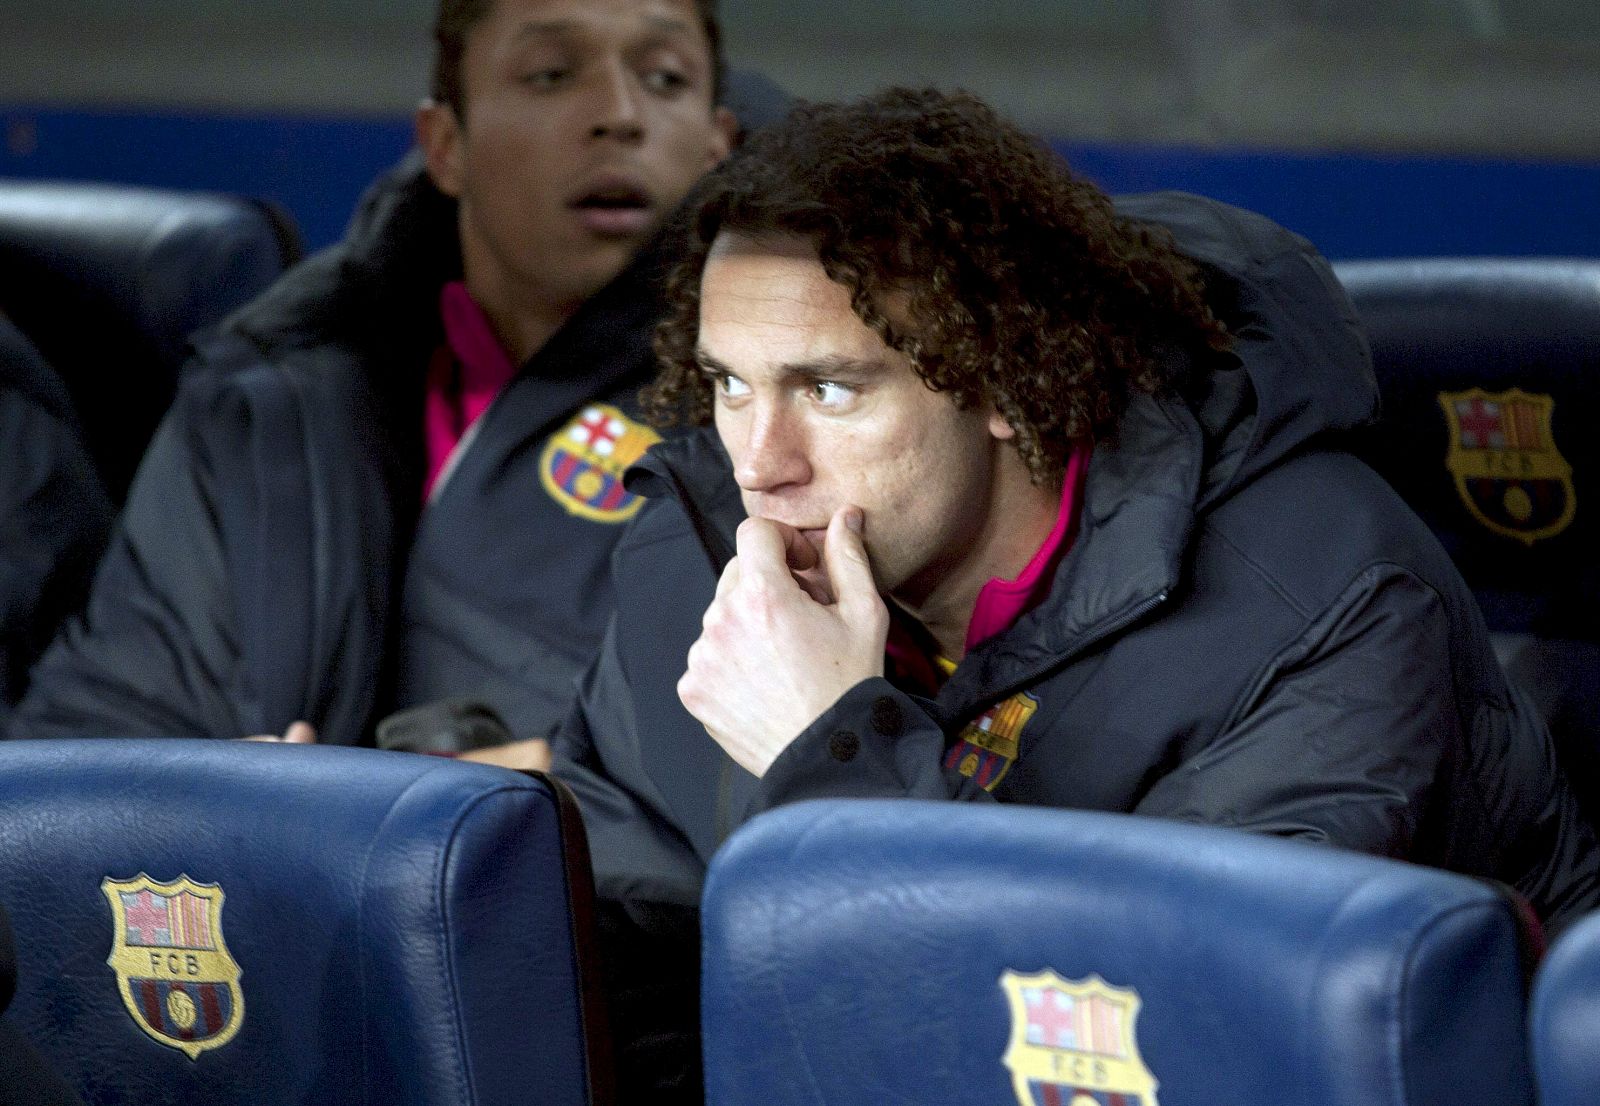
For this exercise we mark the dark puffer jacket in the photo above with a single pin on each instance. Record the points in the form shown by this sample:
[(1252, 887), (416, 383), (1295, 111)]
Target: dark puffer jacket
[(273, 563), (54, 513), (1251, 630)]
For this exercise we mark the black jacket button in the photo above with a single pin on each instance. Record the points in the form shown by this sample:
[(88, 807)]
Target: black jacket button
[(843, 746), (886, 716)]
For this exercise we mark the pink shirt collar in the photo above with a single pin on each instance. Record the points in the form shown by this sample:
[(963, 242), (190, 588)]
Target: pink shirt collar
[(463, 385), (1001, 602)]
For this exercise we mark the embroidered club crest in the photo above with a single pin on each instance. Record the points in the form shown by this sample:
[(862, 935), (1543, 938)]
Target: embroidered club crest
[(176, 976), (1506, 466), (986, 748), (1073, 1043), (582, 464)]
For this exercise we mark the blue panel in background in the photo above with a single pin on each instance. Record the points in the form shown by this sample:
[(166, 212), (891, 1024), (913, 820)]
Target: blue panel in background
[(316, 168), (1365, 205), (1356, 205)]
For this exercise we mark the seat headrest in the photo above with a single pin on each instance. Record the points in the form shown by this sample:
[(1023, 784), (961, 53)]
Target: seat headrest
[(1490, 369), (109, 281), (1564, 1019), (232, 922), (897, 951)]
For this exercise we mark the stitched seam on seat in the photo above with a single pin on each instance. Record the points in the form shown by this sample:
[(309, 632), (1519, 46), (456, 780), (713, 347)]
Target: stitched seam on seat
[(438, 890), (361, 932), (1401, 1075), (463, 1074)]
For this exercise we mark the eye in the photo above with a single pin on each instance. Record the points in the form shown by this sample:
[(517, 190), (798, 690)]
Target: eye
[(831, 394), (729, 386), (666, 81), (545, 78)]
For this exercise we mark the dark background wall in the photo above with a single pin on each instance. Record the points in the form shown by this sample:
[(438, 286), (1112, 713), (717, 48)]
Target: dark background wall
[(1376, 127)]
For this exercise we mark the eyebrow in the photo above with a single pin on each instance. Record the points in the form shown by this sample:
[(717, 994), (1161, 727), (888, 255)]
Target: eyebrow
[(662, 24), (833, 367)]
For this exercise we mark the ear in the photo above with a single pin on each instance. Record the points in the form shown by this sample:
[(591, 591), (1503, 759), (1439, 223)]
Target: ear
[(999, 428), (724, 132), (439, 133)]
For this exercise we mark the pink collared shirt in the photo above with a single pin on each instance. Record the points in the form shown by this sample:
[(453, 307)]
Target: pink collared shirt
[(466, 375), (1001, 602)]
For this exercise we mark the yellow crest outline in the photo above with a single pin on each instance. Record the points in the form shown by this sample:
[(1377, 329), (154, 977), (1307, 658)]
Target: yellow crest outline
[(185, 964), (1003, 737), (1113, 1065), (1542, 462), (630, 446)]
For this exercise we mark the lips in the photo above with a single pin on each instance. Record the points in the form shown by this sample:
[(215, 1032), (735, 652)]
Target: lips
[(614, 207)]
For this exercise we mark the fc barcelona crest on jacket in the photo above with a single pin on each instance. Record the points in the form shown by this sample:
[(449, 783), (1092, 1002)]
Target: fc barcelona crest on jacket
[(1073, 1043), (988, 744), (1506, 466), (582, 464), (176, 977)]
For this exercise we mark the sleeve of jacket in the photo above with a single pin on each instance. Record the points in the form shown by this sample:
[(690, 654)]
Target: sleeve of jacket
[(54, 522), (1341, 735), (638, 854), (875, 742), (155, 652)]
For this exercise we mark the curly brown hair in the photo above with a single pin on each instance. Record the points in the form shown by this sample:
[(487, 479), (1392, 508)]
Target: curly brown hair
[(1021, 284)]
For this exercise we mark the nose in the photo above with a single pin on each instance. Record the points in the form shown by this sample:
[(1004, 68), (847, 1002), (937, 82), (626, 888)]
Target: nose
[(771, 453), (619, 105)]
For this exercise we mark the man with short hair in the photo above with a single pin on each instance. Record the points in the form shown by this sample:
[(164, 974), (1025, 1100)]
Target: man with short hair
[(1013, 494), (386, 496)]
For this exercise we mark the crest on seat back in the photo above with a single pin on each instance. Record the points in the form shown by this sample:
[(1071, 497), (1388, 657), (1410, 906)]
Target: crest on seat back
[(174, 972), (1507, 469), (1073, 1042)]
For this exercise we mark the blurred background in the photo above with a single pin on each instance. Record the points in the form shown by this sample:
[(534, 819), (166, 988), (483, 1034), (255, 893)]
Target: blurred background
[(1375, 127)]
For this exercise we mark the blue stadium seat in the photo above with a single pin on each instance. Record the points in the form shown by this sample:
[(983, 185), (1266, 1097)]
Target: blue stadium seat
[(1564, 1022), (110, 280), (1490, 373), (231, 922), (895, 951)]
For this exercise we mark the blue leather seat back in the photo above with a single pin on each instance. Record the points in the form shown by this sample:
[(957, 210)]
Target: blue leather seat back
[(109, 281), (1490, 373), (1564, 1022), (897, 951), (400, 928)]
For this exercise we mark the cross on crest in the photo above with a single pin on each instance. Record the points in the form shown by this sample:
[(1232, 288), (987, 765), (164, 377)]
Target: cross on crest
[(598, 431), (147, 919), (1480, 421)]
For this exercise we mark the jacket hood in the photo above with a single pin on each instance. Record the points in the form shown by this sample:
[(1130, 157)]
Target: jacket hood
[(1300, 367), (378, 286)]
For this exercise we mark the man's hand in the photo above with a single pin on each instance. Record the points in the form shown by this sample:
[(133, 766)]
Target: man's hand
[(532, 755), (298, 733), (781, 641)]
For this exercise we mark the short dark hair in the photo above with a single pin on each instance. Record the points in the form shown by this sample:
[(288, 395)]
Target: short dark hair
[(1022, 284), (456, 19)]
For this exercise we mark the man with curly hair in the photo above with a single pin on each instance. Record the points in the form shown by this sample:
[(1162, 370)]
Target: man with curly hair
[(1015, 494)]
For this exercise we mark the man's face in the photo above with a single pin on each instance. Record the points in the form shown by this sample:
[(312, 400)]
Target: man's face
[(585, 122), (818, 413)]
